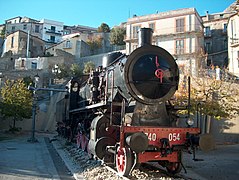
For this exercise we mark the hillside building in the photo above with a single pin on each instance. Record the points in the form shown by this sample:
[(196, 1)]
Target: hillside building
[(52, 31), (233, 44), (180, 32), (215, 38), (34, 27), (16, 45)]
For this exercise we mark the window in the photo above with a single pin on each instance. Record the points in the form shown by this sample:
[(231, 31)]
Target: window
[(180, 25), (13, 28), (66, 32), (52, 38), (207, 31), (53, 28), (152, 26), (225, 44), (34, 65), (224, 28), (24, 27), (180, 46), (208, 47), (68, 44), (23, 63), (37, 28), (12, 42), (135, 31)]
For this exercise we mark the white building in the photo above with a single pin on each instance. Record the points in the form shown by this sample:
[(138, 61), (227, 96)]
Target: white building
[(52, 31), (233, 44), (180, 32), (31, 63)]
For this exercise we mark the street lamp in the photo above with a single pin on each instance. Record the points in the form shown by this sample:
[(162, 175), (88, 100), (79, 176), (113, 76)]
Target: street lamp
[(34, 105), (1, 76), (55, 70)]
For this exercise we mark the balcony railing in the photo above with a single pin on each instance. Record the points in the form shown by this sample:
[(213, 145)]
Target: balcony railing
[(234, 41), (207, 34), (53, 32), (51, 41)]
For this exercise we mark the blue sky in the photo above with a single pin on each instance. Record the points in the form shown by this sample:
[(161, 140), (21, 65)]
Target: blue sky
[(94, 12)]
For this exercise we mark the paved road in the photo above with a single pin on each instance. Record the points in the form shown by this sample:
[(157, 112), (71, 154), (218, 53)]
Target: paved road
[(222, 163), (21, 160)]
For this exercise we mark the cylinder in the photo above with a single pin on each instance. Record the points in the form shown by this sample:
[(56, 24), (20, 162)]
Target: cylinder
[(145, 36)]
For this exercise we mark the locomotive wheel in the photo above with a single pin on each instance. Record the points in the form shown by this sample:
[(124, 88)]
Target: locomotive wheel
[(174, 167), (124, 161)]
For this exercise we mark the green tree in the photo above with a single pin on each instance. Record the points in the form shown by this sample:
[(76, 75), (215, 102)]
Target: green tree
[(218, 99), (76, 70), (104, 28), (88, 67), (117, 36), (28, 81), (16, 100), (94, 43), (2, 33)]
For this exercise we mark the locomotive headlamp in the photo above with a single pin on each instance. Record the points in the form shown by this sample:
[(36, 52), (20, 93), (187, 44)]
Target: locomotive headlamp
[(190, 121)]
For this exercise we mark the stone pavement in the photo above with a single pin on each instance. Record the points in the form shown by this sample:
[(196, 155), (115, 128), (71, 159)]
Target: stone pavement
[(22, 160), (222, 163)]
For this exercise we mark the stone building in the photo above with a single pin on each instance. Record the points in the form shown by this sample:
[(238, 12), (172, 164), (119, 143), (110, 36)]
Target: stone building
[(48, 30), (34, 27), (233, 44), (16, 44), (77, 45), (179, 31), (78, 29), (73, 44), (215, 38)]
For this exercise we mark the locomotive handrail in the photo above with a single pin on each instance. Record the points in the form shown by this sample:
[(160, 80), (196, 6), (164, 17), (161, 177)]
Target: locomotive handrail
[(151, 81), (112, 96), (47, 89)]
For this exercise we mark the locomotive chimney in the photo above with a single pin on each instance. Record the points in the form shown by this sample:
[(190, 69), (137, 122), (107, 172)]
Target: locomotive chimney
[(145, 36)]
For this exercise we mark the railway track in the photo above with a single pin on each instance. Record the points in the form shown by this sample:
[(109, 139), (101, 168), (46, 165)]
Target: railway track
[(146, 171)]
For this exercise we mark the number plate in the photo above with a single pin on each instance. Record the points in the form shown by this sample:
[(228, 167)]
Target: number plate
[(174, 137), (151, 136)]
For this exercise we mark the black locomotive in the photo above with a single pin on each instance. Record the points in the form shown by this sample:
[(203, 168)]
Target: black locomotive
[(122, 113)]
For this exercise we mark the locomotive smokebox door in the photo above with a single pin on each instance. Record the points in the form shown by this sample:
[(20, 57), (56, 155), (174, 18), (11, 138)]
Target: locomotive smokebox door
[(151, 74)]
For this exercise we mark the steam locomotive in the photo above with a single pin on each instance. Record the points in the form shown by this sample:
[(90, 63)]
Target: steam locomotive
[(122, 113)]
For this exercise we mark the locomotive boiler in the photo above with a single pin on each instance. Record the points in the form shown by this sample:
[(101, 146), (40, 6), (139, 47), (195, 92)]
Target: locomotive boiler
[(122, 113)]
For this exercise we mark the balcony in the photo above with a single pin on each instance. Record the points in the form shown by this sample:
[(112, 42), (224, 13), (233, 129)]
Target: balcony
[(207, 34), (234, 42), (50, 31), (51, 41)]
